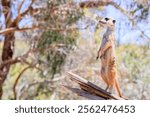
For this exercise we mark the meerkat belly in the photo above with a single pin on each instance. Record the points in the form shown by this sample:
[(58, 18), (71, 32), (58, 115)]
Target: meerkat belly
[(106, 58), (105, 63), (108, 61), (112, 68), (112, 62)]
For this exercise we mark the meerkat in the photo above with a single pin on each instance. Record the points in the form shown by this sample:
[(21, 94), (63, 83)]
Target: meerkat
[(107, 54)]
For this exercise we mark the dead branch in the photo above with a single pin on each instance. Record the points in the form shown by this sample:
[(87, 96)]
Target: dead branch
[(90, 90), (37, 82), (19, 76), (17, 80), (13, 29), (29, 8), (8, 18), (84, 93), (19, 13)]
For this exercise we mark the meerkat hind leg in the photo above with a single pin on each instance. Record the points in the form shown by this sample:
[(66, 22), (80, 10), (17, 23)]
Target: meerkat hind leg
[(111, 89), (104, 78)]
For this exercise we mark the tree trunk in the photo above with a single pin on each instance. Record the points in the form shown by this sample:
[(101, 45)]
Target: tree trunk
[(8, 49), (7, 54)]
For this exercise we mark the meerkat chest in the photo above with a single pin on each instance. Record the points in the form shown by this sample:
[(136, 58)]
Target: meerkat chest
[(109, 38), (109, 54)]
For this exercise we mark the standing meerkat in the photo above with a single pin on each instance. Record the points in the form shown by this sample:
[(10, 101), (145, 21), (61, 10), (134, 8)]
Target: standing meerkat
[(107, 54)]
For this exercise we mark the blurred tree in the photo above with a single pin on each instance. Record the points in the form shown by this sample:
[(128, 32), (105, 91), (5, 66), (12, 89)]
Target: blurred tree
[(55, 20)]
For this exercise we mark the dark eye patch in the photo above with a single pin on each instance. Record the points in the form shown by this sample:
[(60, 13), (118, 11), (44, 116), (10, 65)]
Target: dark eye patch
[(114, 21), (106, 19)]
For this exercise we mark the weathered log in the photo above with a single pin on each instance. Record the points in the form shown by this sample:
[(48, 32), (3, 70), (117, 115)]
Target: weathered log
[(89, 90)]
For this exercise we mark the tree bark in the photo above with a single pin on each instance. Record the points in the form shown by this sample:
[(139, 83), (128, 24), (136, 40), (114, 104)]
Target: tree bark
[(7, 54), (8, 49)]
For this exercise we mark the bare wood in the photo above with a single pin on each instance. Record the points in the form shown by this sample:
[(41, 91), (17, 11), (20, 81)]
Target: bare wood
[(17, 80), (19, 13), (13, 29), (19, 76), (36, 82), (90, 88), (10, 61), (8, 18), (8, 47), (29, 8), (83, 93)]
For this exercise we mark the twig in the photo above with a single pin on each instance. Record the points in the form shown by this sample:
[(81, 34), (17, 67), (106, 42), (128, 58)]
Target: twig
[(13, 29), (27, 87), (19, 76), (16, 81), (19, 13), (29, 8)]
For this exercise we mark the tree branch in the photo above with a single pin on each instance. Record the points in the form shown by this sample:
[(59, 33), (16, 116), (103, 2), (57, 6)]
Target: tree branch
[(10, 61), (13, 29), (19, 76), (19, 14), (17, 80), (29, 8), (36, 82)]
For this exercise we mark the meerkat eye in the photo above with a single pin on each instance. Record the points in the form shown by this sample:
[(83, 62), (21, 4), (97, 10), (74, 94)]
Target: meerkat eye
[(114, 21), (106, 19)]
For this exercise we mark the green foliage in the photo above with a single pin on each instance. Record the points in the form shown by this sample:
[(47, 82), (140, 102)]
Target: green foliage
[(54, 37), (134, 60), (62, 17), (55, 56)]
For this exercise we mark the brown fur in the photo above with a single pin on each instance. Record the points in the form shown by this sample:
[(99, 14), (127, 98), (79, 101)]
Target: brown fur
[(107, 55)]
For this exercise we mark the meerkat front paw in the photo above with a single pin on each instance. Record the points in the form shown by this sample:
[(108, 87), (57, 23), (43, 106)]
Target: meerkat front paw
[(98, 55), (101, 55)]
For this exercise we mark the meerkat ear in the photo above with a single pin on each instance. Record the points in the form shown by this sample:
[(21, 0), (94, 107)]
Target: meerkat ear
[(114, 21), (106, 19)]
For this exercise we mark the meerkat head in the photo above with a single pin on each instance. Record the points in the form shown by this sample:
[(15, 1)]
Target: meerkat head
[(108, 23)]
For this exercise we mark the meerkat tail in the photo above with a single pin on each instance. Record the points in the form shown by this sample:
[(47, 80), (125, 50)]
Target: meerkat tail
[(118, 87)]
